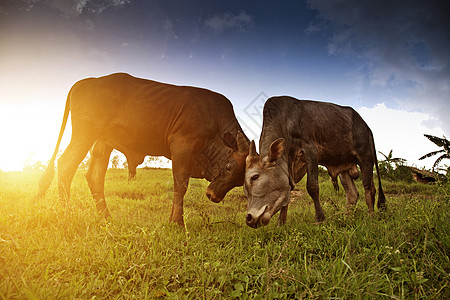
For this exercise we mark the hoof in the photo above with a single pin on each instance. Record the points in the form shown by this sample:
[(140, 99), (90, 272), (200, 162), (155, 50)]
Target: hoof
[(320, 218)]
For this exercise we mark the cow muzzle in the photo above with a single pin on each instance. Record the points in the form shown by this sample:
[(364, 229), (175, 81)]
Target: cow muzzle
[(212, 196), (261, 217), (256, 218)]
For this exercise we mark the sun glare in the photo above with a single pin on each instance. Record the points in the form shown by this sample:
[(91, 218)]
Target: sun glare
[(29, 133)]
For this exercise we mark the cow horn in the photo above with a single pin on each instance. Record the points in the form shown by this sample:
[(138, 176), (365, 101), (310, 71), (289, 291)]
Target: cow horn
[(252, 157), (242, 143), (252, 151)]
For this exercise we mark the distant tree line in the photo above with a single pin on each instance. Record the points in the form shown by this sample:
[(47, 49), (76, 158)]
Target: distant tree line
[(393, 168)]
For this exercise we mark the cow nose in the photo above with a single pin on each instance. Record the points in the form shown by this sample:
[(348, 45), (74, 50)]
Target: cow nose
[(249, 220), (212, 196)]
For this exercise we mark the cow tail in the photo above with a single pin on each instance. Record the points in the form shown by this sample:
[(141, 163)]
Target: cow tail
[(49, 173), (381, 204)]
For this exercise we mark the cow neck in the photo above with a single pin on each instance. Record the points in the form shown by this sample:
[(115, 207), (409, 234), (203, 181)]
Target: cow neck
[(209, 160)]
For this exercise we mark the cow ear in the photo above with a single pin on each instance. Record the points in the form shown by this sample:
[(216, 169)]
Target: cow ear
[(242, 143), (276, 150), (230, 141), (252, 157)]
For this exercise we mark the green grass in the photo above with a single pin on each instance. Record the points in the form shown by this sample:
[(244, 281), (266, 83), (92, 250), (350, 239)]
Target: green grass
[(48, 251)]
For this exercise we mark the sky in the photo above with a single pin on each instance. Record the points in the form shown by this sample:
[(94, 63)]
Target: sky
[(389, 60)]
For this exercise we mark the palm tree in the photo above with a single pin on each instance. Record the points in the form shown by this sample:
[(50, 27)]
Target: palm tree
[(441, 142), (392, 160)]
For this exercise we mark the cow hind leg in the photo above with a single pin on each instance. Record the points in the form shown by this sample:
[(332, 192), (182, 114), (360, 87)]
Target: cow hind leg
[(68, 164), (369, 186), (351, 192), (95, 176)]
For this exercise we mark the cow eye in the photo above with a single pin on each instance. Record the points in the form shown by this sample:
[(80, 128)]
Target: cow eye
[(228, 168), (254, 177)]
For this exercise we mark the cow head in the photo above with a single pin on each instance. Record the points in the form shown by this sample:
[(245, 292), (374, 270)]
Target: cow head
[(229, 166), (266, 185)]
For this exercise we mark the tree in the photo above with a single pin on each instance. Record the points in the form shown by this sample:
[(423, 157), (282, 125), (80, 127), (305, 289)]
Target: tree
[(389, 160), (153, 161), (37, 166), (394, 168), (115, 162), (85, 163), (441, 142)]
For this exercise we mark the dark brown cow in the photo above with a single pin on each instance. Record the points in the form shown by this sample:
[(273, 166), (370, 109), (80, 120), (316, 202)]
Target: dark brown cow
[(297, 136), (195, 128)]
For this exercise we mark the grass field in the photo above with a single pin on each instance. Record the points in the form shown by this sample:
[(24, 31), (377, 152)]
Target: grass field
[(48, 251)]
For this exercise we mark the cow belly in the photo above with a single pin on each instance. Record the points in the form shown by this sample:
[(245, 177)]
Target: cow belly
[(132, 144), (334, 171)]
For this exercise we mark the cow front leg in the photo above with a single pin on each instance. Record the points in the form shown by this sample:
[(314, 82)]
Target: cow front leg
[(312, 185), (283, 216), (180, 185), (95, 176), (181, 157)]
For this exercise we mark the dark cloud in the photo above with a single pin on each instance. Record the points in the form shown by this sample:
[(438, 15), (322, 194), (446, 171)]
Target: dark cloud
[(221, 22), (67, 8), (405, 45), (368, 51)]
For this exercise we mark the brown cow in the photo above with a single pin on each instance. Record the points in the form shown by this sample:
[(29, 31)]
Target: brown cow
[(195, 128), (297, 136)]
